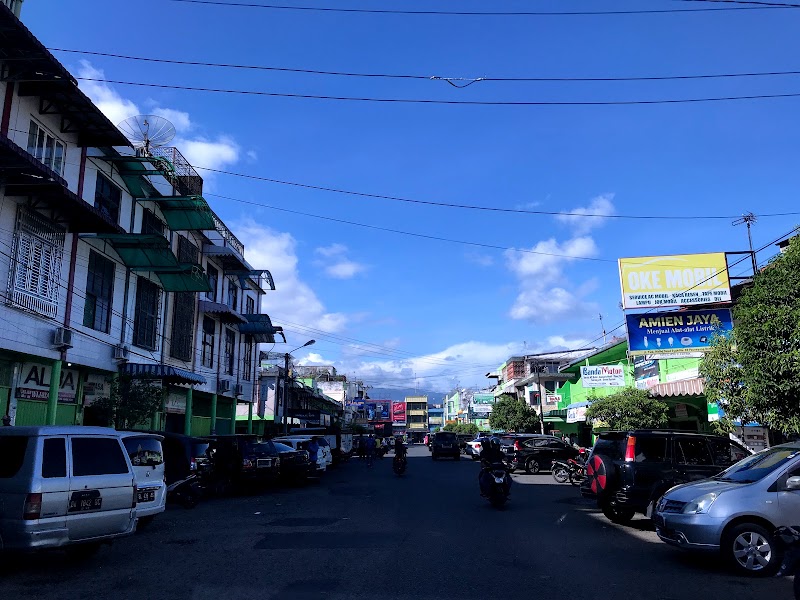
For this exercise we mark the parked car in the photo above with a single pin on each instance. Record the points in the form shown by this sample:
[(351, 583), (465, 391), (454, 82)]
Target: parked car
[(475, 446), (445, 443), (64, 485), (628, 471), (241, 460), (186, 455), (537, 453), (295, 465), (302, 443), (463, 438), (147, 458), (738, 510)]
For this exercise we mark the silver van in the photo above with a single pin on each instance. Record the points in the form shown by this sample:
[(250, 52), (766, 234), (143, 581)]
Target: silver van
[(64, 485), (737, 512), (147, 458)]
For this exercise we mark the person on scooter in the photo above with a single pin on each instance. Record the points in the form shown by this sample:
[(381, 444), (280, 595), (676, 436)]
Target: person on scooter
[(399, 448), (491, 454)]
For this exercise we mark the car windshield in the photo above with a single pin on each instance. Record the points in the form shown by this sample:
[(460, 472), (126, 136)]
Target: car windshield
[(144, 451), (445, 437), (756, 467), (282, 447), (200, 450)]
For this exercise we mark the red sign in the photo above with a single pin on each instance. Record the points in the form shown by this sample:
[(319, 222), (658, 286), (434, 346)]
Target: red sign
[(398, 412)]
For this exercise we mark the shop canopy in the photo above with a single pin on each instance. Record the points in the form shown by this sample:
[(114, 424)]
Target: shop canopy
[(166, 373), (184, 213), (555, 416), (221, 311), (255, 279), (685, 387), (231, 260), (261, 328)]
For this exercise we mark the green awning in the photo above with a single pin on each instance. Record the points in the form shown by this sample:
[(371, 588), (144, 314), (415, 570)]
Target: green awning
[(186, 278), (185, 213), (555, 416), (140, 250), (133, 169)]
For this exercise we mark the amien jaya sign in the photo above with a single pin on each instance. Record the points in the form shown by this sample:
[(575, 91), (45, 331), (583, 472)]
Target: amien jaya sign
[(665, 333), (684, 279), (603, 376)]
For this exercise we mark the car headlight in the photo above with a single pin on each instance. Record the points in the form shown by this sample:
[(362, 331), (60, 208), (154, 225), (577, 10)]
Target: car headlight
[(700, 505)]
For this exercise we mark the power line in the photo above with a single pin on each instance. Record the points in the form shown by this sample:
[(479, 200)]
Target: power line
[(189, 88), (470, 13), (751, 3), (427, 77)]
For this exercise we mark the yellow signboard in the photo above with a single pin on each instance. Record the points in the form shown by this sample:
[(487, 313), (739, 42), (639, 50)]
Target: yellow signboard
[(682, 279)]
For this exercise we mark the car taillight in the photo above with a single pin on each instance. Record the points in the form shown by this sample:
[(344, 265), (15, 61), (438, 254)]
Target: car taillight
[(247, 463), (135, 494), (33, 507), (630, 449), (517, 445), (193, 465), (477, 445)]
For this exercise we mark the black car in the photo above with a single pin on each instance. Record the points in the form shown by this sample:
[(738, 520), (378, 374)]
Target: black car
[(536, 453), (445, 443), (185, 455), (628, 471), (240, 461), (294, 465)]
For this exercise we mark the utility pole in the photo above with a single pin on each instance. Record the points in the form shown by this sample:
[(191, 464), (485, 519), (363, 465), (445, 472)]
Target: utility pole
[(748, 219), (286, 357), (539, 391), (603, 327)]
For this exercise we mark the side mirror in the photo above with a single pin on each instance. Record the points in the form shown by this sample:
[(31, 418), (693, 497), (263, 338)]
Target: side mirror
[(793, 483)]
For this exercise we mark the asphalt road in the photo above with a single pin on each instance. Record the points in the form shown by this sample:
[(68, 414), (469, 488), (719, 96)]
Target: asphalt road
[(365, 533)]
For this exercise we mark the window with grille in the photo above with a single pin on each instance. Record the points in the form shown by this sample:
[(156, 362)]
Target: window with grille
[(251, 306), (151, 224), (99, 293), (230, 347), (209, 331), (107, 197), (233, 295), (34, 277), (145, 316), (182, 337), (213, 279), (46, 147), (247, 359), (187, 251)]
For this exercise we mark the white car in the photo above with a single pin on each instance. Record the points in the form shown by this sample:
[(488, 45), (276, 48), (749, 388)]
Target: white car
[(475, 446), (147, 458), (301, 442)]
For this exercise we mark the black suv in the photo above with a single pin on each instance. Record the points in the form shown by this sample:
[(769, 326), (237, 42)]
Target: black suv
[(242, 460), (536, 453), (628, 471), (445, 443)]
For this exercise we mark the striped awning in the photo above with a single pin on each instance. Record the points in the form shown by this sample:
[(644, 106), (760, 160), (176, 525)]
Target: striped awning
[(166, 373), (685, 387)]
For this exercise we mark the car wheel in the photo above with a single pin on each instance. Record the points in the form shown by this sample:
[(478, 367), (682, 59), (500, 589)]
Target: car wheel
[(751, 549), (617, 514), (457, 457), (532, 466)]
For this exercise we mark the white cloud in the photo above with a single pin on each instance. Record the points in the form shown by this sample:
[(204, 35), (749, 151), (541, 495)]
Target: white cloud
[(178, 118), (482, 260), (202, 152), (600, 206), (546, 305), (293, 302), (112, 105), (336, 264), (546, 259)]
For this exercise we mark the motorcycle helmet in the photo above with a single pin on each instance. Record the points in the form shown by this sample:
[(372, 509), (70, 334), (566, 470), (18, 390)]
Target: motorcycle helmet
[(494, 443)]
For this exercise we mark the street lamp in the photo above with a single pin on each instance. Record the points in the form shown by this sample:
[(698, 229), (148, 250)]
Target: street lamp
[(286, 381)]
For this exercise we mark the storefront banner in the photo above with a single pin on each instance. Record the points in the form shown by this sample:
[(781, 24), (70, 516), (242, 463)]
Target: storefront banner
[(483, 399), (679, 280), (95, 387), (176, 403), (399, 413), (577, 414), (667, 332), (645, 372), (482, 409), (603, 376), (552, 399), (685, 374), (305, 415), (34, 383)]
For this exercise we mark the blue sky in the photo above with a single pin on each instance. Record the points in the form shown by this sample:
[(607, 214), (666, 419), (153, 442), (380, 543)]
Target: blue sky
[(395, 308)]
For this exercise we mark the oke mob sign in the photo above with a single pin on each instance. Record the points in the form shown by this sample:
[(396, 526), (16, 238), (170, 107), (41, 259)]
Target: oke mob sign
[(683, 279)]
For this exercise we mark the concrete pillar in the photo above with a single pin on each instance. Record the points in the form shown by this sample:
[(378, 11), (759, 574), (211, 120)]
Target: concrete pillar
[(249, 417), (187, 423), (214, 413), (52, 398), (233, 416)]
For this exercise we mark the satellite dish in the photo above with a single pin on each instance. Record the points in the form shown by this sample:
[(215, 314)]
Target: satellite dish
[(146, 132)]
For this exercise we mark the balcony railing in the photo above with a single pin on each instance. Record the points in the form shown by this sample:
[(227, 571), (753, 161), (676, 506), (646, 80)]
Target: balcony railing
[(227, 235), (183, 176)]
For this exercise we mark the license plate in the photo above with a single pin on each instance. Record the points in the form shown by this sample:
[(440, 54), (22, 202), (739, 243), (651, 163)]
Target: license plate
[(146, 496), (447, 445), (263, 462), (85, 500)]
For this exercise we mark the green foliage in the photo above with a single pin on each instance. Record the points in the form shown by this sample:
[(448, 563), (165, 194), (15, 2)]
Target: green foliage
[(724, 382), (629, 408), (511, 414), (131, 403), (470, 428), (767, 322)]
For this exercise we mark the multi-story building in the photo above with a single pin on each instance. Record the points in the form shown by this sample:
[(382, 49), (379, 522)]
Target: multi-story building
[(435, 417), (416, 416), (113, 261)]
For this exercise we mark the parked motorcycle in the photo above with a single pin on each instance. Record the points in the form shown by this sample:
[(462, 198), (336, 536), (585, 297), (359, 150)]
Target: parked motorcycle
[(496, 484), (186, 492), (399, 465), (789, 540), (572, 470)]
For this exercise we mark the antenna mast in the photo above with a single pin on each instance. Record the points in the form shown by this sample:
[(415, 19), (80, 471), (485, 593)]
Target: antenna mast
[(748, 219)]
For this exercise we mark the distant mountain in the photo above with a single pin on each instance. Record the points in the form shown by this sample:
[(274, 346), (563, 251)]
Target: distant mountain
[(398, 394)]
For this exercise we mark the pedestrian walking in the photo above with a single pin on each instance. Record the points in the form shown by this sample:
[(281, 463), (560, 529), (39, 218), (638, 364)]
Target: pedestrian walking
[(369, 446), (313, 451)]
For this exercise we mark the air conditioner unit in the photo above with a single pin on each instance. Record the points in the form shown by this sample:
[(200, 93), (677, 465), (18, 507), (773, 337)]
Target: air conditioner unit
[(121, 352), (223, 385), (238, 389), (62, 337)]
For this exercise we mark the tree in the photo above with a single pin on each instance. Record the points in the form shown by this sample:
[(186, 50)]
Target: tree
[(629, 408), (767, 324), (131, 403), (511, 414), (724, 382), (451, 427)]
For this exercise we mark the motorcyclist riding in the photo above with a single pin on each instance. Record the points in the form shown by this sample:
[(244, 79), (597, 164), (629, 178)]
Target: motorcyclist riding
[(399, 448), (491, 455)]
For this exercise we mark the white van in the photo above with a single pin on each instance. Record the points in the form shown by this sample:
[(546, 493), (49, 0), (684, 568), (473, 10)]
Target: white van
[(147, 458), (64, 485)]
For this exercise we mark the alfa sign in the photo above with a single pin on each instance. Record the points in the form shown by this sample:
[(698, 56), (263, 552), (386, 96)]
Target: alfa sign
[(668, 332), (685, 279), (603, 376)]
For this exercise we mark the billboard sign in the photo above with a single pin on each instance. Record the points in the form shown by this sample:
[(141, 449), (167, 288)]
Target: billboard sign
[(669, 332), (603, 376), (679, 280), (552, 399), (34, 383), (645, 372), (576, 414), (482, 409), (398, 413), (483, 399), (377, 410)]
